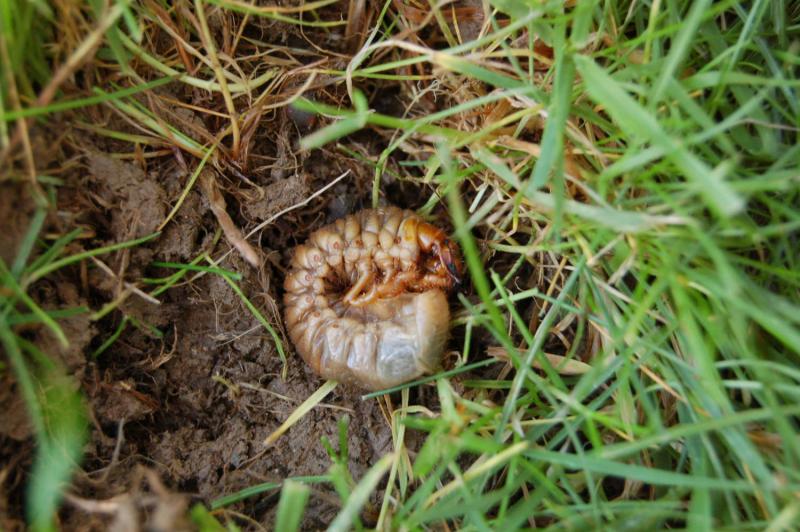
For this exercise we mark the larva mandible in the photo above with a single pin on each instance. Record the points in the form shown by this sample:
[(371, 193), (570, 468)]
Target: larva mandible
[(365, 297)]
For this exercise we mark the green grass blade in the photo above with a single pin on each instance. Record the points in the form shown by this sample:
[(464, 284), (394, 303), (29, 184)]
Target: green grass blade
[(639, 124), (72, 259), (349, 513), (292, 505), (59, 449), (27, 243)]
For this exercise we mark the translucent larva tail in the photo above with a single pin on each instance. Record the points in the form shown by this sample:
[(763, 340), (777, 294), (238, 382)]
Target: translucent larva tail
[(433, 325), (411, 343)]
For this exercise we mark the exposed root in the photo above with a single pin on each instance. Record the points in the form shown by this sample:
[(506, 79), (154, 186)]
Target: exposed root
[(232, 233)]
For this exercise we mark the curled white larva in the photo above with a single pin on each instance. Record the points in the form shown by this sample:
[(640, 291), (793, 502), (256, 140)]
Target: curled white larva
[(365, 298)]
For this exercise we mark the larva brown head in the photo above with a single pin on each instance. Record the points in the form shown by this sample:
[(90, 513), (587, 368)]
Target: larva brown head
[(447, 258)]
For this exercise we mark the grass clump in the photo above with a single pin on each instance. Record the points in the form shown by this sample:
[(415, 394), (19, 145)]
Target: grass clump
[(624, 181)]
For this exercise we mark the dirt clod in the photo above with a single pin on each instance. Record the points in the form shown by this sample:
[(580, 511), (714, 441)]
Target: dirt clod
[(141, 201)]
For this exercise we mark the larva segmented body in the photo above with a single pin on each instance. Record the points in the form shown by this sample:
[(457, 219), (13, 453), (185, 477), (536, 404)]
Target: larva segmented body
[(365, 297)]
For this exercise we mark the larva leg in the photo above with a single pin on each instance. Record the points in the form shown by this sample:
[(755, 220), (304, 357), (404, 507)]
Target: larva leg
[(364, 299), (429, 281), (396, 284), (351, 297)]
